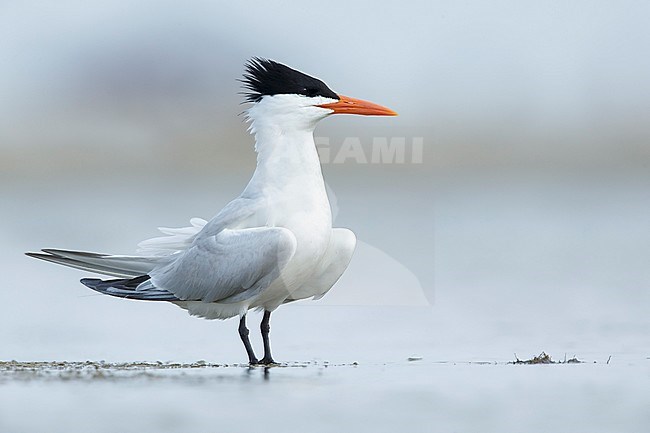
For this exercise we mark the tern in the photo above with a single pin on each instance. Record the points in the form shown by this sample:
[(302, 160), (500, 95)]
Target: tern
[(273, 244)]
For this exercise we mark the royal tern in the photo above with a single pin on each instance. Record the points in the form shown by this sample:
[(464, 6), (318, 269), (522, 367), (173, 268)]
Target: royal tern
[(271, 245)]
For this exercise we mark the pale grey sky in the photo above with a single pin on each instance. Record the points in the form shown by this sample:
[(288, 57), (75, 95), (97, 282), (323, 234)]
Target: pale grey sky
[(524, 75)]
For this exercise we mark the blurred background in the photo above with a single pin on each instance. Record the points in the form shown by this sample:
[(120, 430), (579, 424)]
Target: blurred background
[(525, 227)]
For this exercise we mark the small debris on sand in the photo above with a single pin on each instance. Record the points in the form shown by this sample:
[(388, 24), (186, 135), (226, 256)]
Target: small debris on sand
[(154, 370), (544, 358)]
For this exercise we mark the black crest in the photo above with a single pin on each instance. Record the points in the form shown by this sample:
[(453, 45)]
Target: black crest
[(266, 77)]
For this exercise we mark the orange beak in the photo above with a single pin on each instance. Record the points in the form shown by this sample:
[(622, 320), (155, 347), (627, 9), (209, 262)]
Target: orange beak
[(347, 105)]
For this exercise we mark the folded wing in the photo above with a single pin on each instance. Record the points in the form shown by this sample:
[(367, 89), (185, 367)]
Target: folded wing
[(231, 266)]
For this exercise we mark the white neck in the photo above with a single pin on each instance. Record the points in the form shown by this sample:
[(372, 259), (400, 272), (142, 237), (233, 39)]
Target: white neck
[(287, 160), (285, 157)]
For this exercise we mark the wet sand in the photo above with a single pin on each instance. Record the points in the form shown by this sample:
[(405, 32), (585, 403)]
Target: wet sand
[(415, 396)]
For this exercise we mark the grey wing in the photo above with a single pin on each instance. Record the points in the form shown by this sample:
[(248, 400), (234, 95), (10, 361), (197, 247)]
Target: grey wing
[(238, 214), (228, 267)]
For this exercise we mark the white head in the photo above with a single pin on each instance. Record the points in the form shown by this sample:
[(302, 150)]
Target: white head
[(288, 99)]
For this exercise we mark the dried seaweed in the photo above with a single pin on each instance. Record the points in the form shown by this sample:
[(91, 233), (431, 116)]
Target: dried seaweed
[(544, 358)]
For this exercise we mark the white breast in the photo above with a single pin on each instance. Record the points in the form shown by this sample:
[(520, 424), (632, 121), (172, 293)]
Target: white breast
[(288, 179), (306, 212)]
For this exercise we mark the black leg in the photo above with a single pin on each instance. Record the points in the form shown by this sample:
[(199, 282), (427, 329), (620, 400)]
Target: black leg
[(243, 333), (265, 327)]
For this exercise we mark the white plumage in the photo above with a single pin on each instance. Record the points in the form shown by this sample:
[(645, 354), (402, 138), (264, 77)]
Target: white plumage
[(271, 245)]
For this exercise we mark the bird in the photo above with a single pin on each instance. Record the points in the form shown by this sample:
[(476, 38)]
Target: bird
[(273, 244)]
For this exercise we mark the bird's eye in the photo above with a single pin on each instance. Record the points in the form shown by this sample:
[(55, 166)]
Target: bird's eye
[(311, 91)]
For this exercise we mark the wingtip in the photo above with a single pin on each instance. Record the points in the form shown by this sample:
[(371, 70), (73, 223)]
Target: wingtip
[(90, 282), (52, 251), (38, 255)]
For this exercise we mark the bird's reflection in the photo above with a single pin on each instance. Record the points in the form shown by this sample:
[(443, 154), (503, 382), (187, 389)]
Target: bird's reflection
[(266, 371)]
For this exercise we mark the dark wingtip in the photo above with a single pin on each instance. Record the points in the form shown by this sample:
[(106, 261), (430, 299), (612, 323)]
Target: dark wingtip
[(51, 251), (62, 253), (91, 283), (42, 256)]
